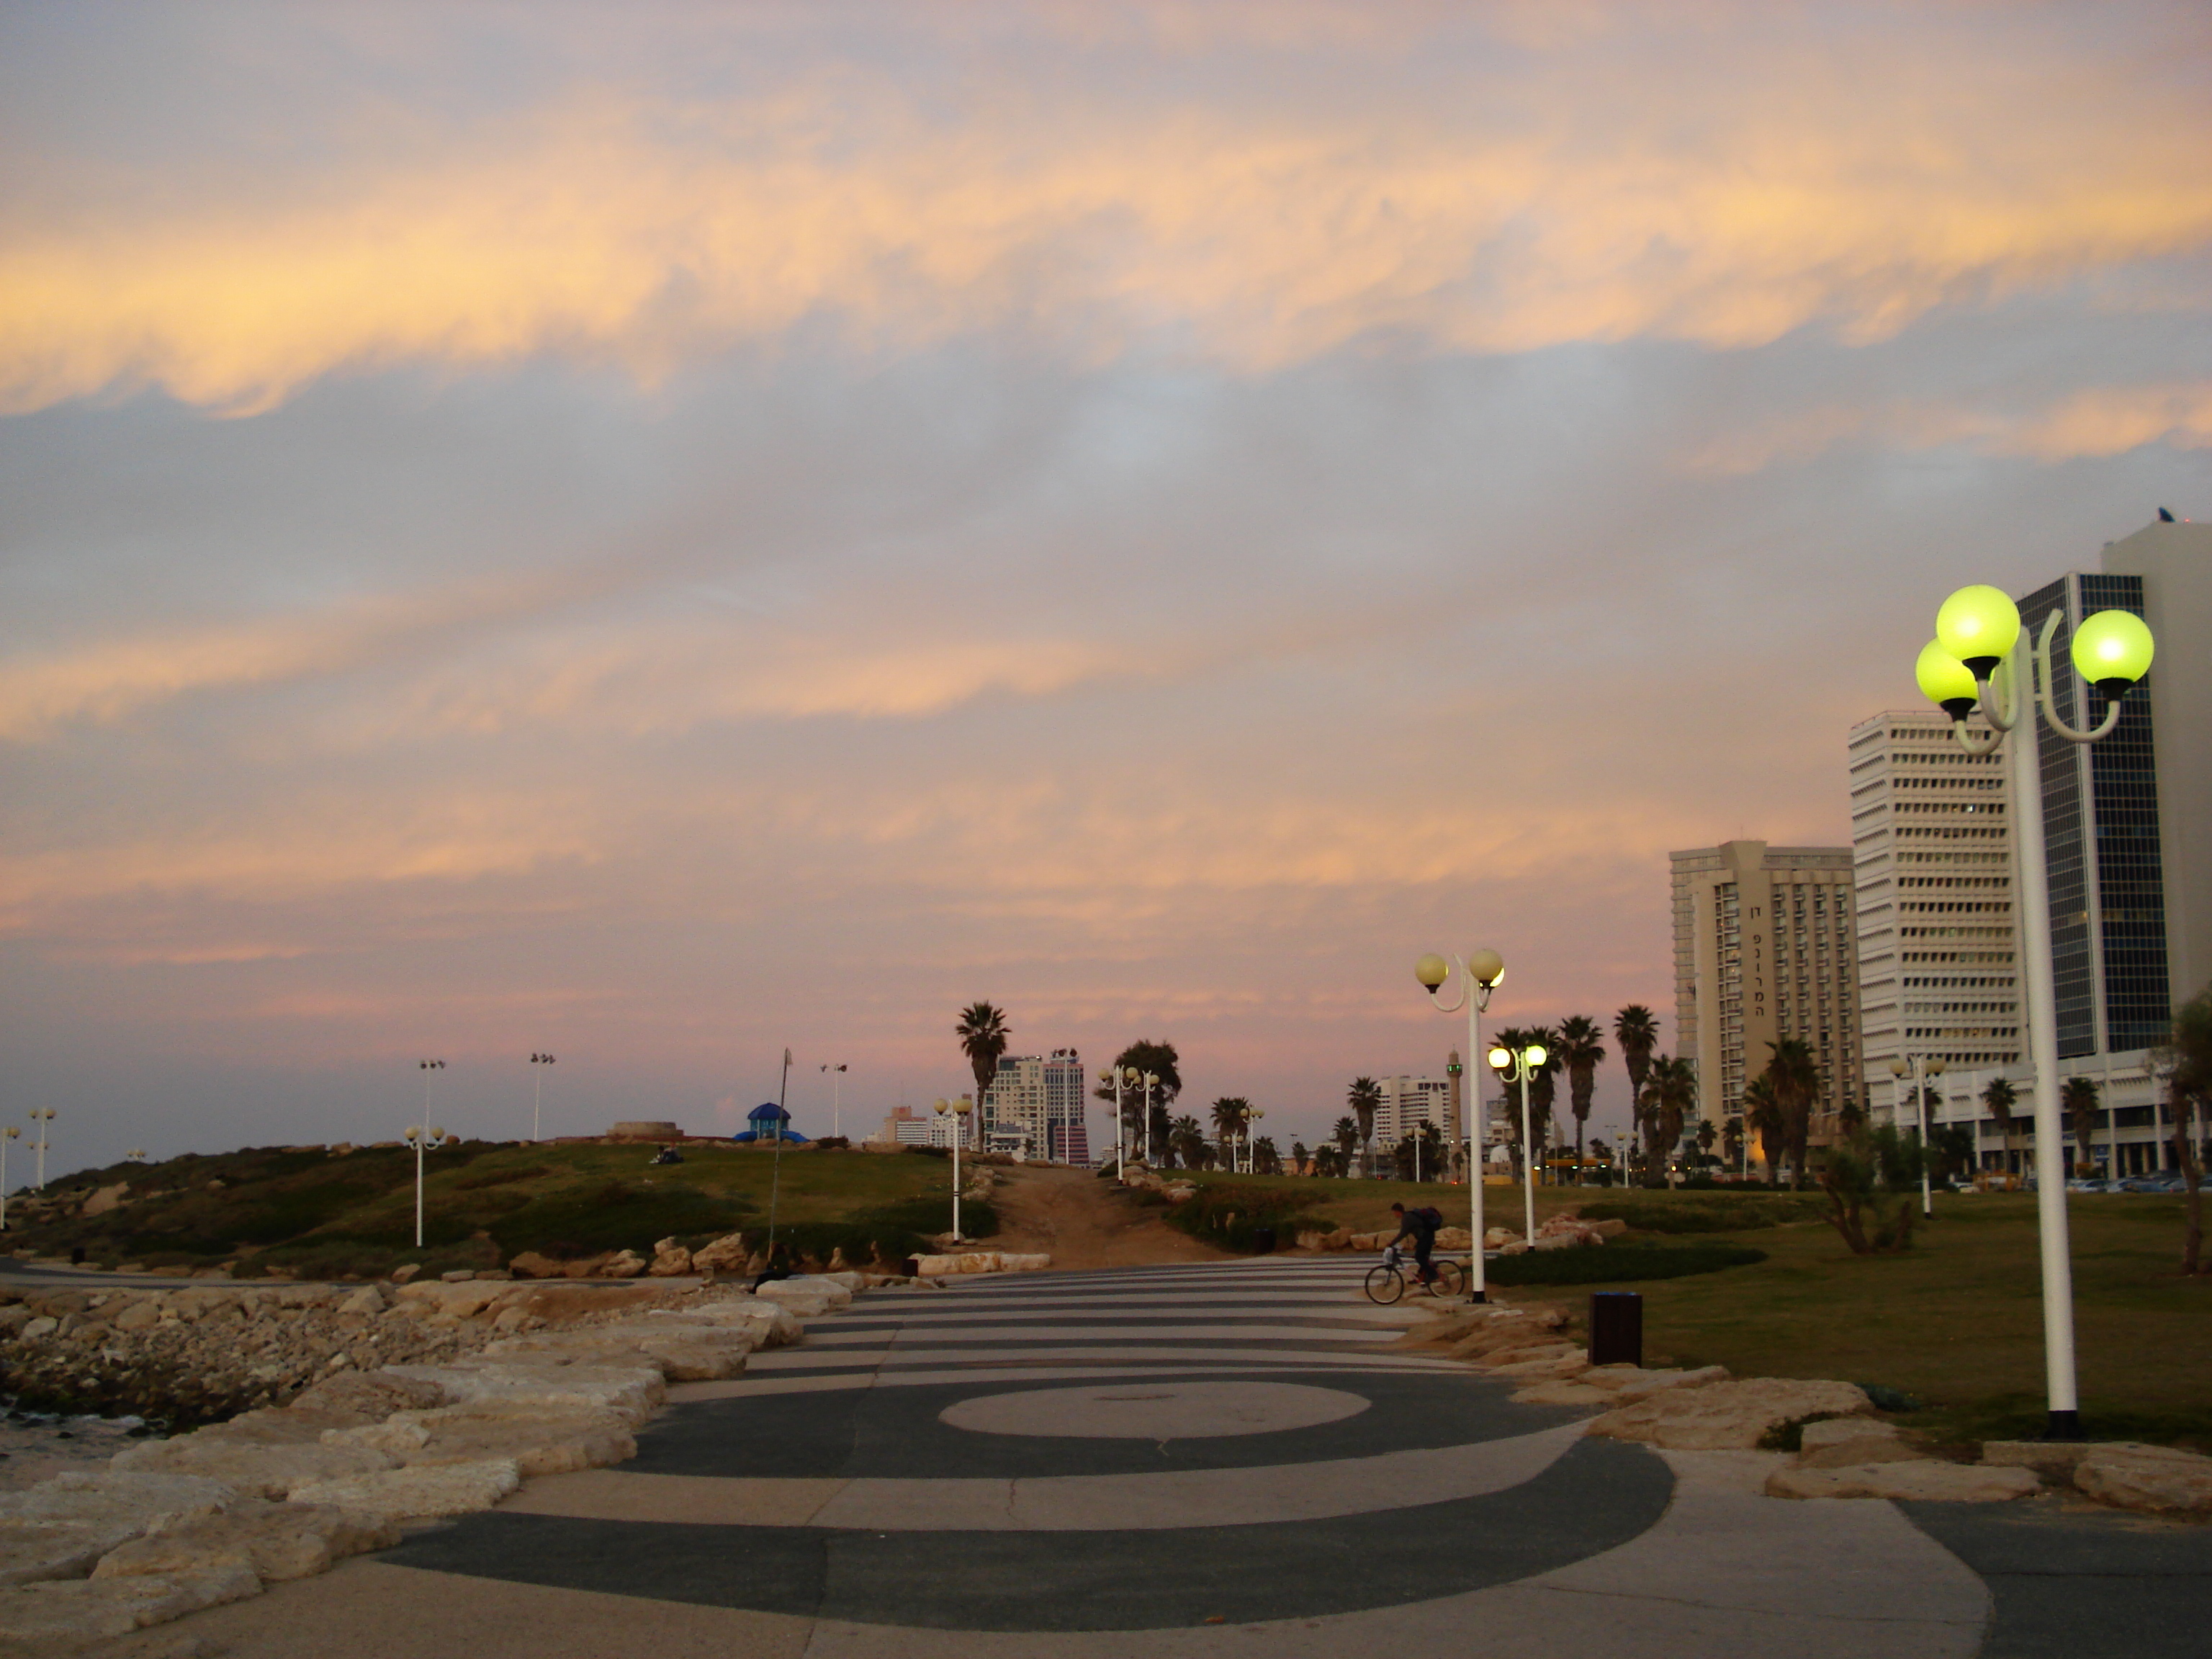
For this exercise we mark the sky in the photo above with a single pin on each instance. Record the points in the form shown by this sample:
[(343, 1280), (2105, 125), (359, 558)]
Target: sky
[(662, 533)]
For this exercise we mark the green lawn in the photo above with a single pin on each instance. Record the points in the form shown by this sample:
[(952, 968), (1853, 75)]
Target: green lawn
[(1956, 1321), (317, 1213)]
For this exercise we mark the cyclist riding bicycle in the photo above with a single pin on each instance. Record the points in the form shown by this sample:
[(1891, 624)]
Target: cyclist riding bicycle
[(1420, 1225)]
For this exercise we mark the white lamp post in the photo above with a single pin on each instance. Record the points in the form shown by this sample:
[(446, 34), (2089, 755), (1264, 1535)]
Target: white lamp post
[(836, 1100), (1249, 1113), (1519, 1067), (41, 1116), (1922, 1067), (538, 1092), (13, 1133), (420, 1136), (958, 1110), (1479, 974), (1151, 1082), (1980, 658)]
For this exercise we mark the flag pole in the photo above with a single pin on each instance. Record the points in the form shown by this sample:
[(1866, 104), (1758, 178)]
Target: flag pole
[(776, 1162)]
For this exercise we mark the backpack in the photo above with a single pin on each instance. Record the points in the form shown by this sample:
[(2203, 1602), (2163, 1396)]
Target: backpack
[(1429, 1214)]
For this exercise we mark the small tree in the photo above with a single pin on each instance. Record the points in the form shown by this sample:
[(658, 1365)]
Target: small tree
[(1266, 1160), (1868, 1180), (1951, 1149), (1762, 1114), (2000, 1096), (2187, 1053), (2078, 1099)]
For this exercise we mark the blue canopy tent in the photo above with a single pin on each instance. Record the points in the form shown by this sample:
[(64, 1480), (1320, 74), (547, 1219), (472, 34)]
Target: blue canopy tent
[(765, 1118)]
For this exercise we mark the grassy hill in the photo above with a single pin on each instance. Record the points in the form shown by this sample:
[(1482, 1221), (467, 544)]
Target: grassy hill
[(319, 1213)]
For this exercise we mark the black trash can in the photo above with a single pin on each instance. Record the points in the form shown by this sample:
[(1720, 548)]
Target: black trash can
[(1616, 1329), (1263, 1239), (76, 1255)]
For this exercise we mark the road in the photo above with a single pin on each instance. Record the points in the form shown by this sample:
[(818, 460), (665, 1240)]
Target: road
[(1196, 1460)]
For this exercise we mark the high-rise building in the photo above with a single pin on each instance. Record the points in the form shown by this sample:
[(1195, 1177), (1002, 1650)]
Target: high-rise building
[(1036, 1106), (1764, 950), (2128, 854), (1408, 1102), (1931, 851)]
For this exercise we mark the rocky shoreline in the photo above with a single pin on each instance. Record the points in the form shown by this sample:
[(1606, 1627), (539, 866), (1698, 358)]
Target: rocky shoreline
[(400, 1403)]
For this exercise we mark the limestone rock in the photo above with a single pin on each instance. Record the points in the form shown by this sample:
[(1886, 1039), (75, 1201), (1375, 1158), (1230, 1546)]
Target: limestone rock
[(370, 1394), (670, 1259), (2157, 1478), (623, 1264), (275, 1542), (530, 1264), (1562, 1392), (420, 1492), (1522, 1353), (539, 1440), (1728, 1416), (805, 1290), (1853, 1442), (768, 1324), (2054, 1460), (60, 1528), (87, 1609), (1924, 1478), (464, 1299), (1628, 1383), (265, 1471), (365, 1301), (727, 1254), (631, 1391), (1572, 1362)]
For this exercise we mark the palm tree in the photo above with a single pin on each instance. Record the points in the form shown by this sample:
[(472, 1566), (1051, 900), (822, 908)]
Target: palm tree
[(2187, 1055), (1797, 1080), (1365, 1097), (1544, 1086), (1672, 1088), (983, 1033), (1637, 1033), (2000, 1096), (1345, 1133), (1762, 1116), (1265, 1159), (2078, 1098), (1162, 1061), (1299, 1155), (1581, 1049), (1229, 1114), (1188, 1143)]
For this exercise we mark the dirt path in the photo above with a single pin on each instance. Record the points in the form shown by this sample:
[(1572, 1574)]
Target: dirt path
[(1081, 1221)]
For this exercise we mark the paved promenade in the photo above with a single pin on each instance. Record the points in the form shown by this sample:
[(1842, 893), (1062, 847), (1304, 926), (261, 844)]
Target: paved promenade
[(1195, 1461)]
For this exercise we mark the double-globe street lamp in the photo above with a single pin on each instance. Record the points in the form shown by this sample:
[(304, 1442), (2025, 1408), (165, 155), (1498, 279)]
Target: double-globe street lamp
[(1518, 1066), (1479, 974), (836, 1075), (421, 1137), (1922, 1067), (1980, 658), (11, 1133), (958, 1110), (42, 1116)]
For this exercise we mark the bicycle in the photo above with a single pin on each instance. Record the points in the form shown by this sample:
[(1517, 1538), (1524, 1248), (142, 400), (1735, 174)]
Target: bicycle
[(1387, 1283)]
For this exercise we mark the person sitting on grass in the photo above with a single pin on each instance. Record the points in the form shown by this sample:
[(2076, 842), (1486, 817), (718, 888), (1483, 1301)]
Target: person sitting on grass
[(1420, 1225)]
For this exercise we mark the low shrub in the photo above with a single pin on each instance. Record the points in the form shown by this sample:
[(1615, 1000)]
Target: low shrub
[(1228, 1215), (1608, 1264), (1734, 1213)]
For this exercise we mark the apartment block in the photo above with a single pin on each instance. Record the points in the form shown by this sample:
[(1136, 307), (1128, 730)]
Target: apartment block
[(1765, 949), (1036, 1106), (1410, 1102), (1932, 874)]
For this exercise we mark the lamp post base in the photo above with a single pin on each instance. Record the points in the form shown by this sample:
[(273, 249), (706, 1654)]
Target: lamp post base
[(1478, 1295), (2063, 1425)]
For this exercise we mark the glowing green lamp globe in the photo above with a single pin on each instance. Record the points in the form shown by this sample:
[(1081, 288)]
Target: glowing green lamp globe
[(1945, 681), (1978, 625), (2112, 651)]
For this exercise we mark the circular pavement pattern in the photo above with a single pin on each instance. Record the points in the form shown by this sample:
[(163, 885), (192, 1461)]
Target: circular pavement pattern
[(1145, 1410)]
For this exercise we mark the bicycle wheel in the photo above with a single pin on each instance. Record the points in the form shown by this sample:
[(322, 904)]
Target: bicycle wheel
[(1451, 1281), (1385, 1285)]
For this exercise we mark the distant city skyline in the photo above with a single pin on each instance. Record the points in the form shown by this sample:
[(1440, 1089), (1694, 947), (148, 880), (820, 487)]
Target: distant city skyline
[(657, 537)]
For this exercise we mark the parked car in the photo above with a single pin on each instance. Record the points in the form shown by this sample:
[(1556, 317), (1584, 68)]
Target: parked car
[(2154, 1183)]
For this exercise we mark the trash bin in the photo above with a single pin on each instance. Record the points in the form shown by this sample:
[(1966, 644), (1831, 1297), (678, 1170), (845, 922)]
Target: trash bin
[(1263, 1239), (76, 1255), (1616, 1329)]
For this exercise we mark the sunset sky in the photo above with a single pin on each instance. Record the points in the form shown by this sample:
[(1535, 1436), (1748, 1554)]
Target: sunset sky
[(661, 532)]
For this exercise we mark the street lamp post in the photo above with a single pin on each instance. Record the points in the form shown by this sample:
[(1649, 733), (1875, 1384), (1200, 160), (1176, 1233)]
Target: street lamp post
[(12, 1133), (1519, 1067), (42, 1116), (1112, 1075), (1479, 972), (536, 1095), (1151, 1081), (1250, 1112), (420, 1136), (836, 1099), (958, 1110), (1922, 1067), (1980, 657)]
